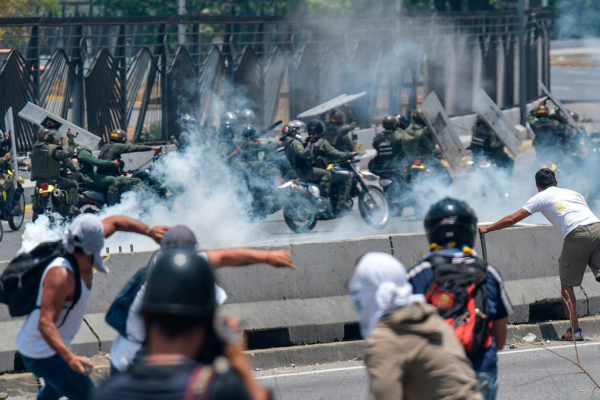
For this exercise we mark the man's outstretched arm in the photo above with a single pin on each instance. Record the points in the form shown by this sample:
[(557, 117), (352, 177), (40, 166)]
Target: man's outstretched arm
[(242, 257), (506, 222), (121, 223)]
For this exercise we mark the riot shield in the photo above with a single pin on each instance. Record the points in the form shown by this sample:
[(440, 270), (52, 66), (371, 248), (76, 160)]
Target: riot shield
[(331, 104), (564, 110), (438, 122), (9, 123), (489, 110), (39, 116)]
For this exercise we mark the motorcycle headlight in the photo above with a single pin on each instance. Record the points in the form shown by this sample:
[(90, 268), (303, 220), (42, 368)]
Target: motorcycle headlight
[(385, 182)]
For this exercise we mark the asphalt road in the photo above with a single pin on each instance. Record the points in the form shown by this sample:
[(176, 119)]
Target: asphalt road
[(575, 84), (531, 373)]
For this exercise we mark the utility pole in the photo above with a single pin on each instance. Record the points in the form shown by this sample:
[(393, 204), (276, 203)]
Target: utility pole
[(181, 27), (522, 65)]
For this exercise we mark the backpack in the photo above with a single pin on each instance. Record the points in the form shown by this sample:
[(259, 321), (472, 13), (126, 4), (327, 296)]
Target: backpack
[(20, 281), (119, 309), (200, 383), (459, 292)]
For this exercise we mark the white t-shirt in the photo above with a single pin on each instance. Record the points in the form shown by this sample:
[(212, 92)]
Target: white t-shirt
[(30, 341), (124, 349), (564, 208)]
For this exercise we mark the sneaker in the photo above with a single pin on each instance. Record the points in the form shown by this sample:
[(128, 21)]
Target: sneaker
[(570, 336)]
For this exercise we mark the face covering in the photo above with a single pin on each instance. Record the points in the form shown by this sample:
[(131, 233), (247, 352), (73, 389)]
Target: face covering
[(378, 286)]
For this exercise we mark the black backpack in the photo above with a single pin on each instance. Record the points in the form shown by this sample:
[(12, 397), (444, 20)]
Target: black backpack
[(20, 281), (459, 292)]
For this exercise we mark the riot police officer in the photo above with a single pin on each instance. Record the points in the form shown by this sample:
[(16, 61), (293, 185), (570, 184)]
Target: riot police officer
[(87, 161), (388, 145), (301, 160), (486, 143), (188, 123), (228, 149), (112, 151), (551, 136), (6, 180), (46, 158), (338, 133), (322, 153)]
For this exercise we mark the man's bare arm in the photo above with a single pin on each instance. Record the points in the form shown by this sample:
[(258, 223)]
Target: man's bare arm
[(120, 223), (506, 222), (59, 284), (242, 257), (499, 331)]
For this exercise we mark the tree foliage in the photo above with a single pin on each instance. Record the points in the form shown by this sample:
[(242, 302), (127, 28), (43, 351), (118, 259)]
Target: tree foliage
[(28, 8)]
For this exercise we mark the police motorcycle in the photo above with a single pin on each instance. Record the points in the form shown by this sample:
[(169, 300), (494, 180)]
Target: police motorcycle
[(50, 198), (305, 206), (14, 219)]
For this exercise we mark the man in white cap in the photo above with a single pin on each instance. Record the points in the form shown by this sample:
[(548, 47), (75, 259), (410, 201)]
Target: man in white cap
[(411, 352), (45, 338)]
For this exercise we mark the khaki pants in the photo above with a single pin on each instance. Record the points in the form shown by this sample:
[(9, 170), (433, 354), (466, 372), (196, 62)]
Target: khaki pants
[(581, 248)]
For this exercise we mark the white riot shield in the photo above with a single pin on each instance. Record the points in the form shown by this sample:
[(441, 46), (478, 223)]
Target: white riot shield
[(331, 104), (39, 116), (9, 124), (438, 122), (564, 110), (506, 131)]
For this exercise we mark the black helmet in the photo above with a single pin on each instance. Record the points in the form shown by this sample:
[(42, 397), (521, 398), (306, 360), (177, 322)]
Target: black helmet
[(315, 127), (336, 117), (389, 123), (247, 116), (402, 121), (249, 132), (118, 136), (227, 129), (542, 111), (180, 283), (451, 220), (417, 116), (229, 116)]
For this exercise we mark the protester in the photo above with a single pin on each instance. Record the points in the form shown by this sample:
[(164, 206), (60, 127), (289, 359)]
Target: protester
[(451, 227), (178, 308), (411, 352), (45, 338), (568, 211), (125, 348)]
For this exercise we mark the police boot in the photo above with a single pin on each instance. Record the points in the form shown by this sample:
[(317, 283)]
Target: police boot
[(73, 202)]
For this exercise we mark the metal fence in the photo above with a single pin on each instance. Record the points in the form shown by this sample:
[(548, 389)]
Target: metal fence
[(144, 73)]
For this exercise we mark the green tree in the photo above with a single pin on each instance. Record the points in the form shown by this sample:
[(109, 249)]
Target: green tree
[(28, 8)]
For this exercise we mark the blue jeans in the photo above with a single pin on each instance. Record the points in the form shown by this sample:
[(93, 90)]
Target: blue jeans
[(60, 379), (488, 384)]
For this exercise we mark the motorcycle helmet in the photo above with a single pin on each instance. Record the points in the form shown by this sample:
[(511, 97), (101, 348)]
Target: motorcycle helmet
[(227, 130), (44, 133), (389, 123), (118, 136), (542, 111), (336, 117), (297, 127), (229, 116), (575, 116), (180, 283), (315, 127), (417, 116), (451, 220)]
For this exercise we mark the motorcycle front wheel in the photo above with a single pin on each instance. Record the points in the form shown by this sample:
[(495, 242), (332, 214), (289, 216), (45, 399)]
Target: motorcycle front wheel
[(16, 221), (299, 218), (374, 208)]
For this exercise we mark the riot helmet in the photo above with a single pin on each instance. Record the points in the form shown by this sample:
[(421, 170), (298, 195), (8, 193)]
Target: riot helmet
[(227, 130), (180, 283), (246, 117), (337, 117), (296, 127), (403, 122), (542, 111), (451, 220), (417, 116), (229, 116), (315, 127), (249, 132), (389, 123), (44, 134), (118, 136), (188, 119)]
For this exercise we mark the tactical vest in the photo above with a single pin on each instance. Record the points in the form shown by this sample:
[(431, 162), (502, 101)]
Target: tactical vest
[(320, 160), (410, 143), (105, 154), (481, 138), (85, 168), (334, 134), (545, 132), (385, 149), (296, 162), (43, 165)]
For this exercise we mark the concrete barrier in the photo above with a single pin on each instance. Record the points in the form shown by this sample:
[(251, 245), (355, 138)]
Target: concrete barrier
[(281, 307)]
